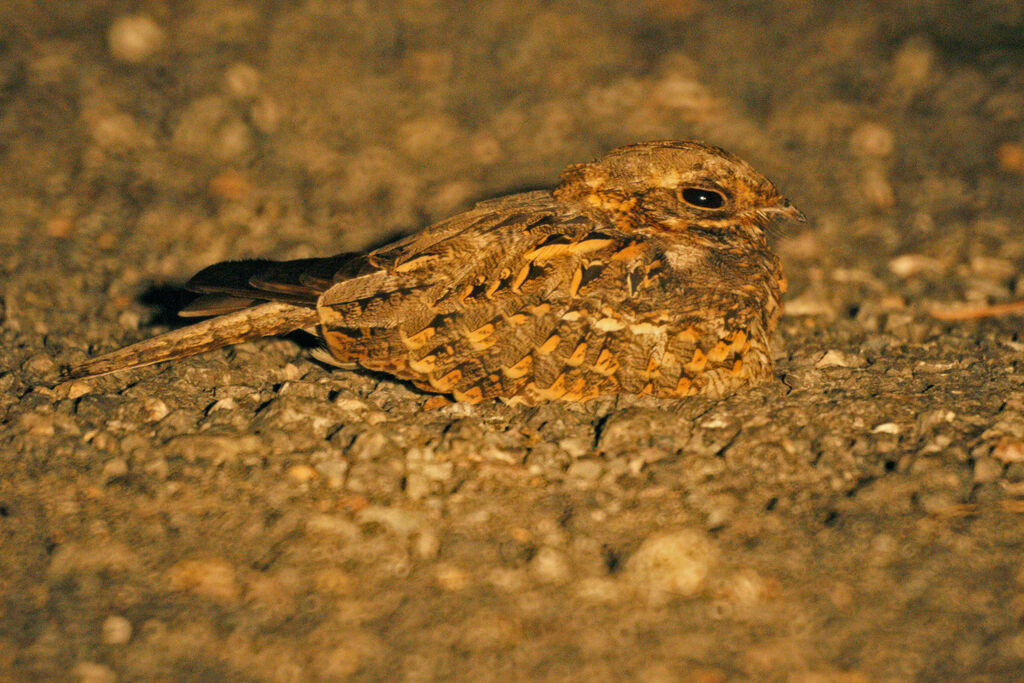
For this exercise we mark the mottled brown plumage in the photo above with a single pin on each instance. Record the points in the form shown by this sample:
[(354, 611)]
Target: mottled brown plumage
[(645, 272)]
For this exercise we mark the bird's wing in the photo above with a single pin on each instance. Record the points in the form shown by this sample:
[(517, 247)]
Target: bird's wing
[(447, 251), (437, 261)]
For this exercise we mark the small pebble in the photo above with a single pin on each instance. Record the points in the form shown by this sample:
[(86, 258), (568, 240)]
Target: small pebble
[(154, 410), (242, 80), (877, 189), (227, 403), (37, 424), (230, 185), (333, 471), (105, 441), (134, 38), (585, 470), (928, 421), (265, 114), (550, 566), (809, 305), (451, 578), (39, 364), (90, 557), (1009, 450), (401, 522), (213, 579), (427, 545), (233, 142), (417, 486), (333, 525), (720, 514), (873, 140), (1011, 157), (60, 227), (215, 448), (690, 97), (129, 320), (301, 474), (116, 630), (909, 265), (78, 389), (987, 470), (114, 469), (673, 563), (912, 64), (117, 132), (94, 672), (746, 588), (834, 358), (575, 447)]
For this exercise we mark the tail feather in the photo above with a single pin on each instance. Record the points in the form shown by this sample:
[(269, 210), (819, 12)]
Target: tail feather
[(249, 323), (209, 305)]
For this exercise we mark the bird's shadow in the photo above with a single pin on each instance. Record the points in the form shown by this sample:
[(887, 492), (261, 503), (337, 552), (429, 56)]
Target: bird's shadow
[(167, 300)]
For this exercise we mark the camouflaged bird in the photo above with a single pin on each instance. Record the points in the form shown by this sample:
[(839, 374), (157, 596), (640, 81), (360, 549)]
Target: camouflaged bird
[(645, 272)]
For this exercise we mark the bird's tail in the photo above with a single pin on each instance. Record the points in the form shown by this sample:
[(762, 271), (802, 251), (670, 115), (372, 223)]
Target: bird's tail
[(263, 320)]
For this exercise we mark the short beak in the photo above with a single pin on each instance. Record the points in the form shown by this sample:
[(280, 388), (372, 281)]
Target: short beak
[(783, 208)]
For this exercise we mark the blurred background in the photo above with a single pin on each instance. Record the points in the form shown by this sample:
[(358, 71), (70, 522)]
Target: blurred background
[(141, 141)]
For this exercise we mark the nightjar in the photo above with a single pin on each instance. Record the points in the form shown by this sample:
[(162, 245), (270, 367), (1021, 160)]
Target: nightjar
[(647, 271)]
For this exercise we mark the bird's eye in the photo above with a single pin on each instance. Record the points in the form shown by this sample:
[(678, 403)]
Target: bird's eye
[(703, 198)]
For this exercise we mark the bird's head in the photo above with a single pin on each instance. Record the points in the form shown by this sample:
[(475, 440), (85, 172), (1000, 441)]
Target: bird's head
[(677, 187)]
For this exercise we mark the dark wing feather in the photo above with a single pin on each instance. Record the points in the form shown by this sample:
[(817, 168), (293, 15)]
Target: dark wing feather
[(290, 281)]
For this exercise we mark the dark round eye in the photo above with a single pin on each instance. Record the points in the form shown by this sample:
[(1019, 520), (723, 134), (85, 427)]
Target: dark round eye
[(703, 198)]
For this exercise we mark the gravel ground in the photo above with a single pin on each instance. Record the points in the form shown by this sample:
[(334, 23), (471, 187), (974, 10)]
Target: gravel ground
[(250, 515)]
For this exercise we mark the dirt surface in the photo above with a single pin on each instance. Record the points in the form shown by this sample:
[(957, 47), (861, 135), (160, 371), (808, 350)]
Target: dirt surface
[(250, 515)]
